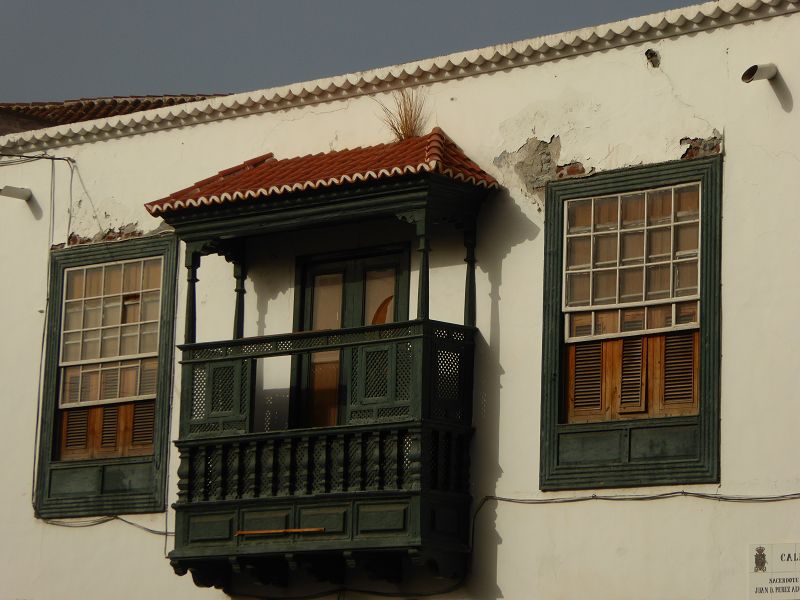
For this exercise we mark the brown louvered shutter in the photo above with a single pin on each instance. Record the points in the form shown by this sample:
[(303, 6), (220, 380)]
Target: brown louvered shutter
[(143, 427), (681, 362), (585, 384), (632, 376), (75, 434)]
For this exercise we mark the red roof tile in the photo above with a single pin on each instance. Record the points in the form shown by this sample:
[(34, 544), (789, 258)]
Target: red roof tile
[(266, 176), (50, 114)]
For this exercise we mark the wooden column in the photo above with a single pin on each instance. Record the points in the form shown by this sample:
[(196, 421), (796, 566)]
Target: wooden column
[(239, 273), (469, 284), (192, 264), (423, 293)]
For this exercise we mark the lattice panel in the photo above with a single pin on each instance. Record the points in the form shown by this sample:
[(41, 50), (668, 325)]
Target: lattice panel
[(232, 472), (447, 376), (266, 465), (376, 383), (318, 466), (199, 393), (403, 364), (222, 383), (391, 412)]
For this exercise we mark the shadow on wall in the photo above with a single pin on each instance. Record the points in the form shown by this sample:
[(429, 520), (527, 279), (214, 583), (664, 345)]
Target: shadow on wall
[(502, 225), (782, 92)]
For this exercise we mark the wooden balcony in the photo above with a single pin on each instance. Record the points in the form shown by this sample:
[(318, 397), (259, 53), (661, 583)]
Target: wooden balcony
[(391, 479)]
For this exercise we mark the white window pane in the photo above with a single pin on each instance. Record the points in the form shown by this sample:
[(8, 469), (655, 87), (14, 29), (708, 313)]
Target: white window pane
[(148, 339), (75, 284), (579, 216), (579, 252), (112, 280), (327, 302), (109, 383), (686, 240), (657, 282), (130, 308), (605, 214), (577, 289), (90, 344), (659, 245), (94, 282), (150, 306), (148, 379), (686, 278), (632, 211), (73, 313), (132, 277), (129, 340), (604, 287), (686, 313), (659, 316), (91, 313), (71, 385), (152, 274), (659, 207), (631, 250), (631, 285), (90, 386), (580, 324), (687, 202), (606, 321), (109, 344), (632, 319), (605, 250), (71, 349), (128, 379), (111, 310)]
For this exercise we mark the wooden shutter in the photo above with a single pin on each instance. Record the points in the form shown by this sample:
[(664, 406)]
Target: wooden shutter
[(681, 368), (633, 376), (75, 434), (585, 385), (143, 427)]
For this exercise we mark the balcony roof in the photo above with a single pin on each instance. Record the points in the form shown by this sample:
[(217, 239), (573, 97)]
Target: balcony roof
[(265, 176)]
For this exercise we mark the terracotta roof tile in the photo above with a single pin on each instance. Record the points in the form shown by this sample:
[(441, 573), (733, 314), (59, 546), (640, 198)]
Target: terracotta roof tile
[(266, 176), (51, 114)]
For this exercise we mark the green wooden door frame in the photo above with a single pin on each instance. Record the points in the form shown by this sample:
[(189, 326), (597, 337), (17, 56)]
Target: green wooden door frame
[(568, 452)]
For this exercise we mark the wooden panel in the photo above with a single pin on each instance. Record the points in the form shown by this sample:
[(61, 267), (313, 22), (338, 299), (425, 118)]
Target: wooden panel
[(211, 528), (333, 519), (681, 368), (127, 478), (590, 447), (382, 518), (75, 481), (75, 434), (648, 443), (267, 520), (585, 391), (633, 376)]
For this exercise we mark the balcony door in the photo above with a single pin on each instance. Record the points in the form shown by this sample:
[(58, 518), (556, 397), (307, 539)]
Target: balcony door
[(344, 293)]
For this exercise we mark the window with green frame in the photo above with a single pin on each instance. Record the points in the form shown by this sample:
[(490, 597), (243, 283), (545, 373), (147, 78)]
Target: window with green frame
[(107, 382), (630, 364)]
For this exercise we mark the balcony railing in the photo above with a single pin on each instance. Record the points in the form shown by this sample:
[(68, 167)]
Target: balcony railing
[(394, 474)]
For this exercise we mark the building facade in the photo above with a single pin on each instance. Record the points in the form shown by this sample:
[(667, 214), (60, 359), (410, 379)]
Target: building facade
[(545, 348)]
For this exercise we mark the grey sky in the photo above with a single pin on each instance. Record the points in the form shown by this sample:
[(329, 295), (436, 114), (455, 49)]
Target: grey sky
[(55, 50)]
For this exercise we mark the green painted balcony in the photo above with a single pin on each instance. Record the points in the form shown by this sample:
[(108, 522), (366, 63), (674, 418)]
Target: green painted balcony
[(393, 478)]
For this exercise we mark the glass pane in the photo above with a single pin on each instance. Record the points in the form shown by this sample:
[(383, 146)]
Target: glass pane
[(632, 211), (113, 280), (72, 347), (90, 346), (327, 309), (578, 252), (659, 207), (631, 250), (657, 282), (686, 278), (132, 277), (659, 316), (605, 214), (109, 345), (130, 308), (111, 310), (150, 306), (577, 289), (152, 274), (686, 239), (148, 341), (580, 324), (109, 383), (71, 390), (605, 251), (631, 285), (73, 311), (579, 216), (685, 312), (687, 203), (94, 282), (148, 380), (379, 297), (658, 244), (607, 321), (75, 284), (129, 341), (90, 386), (604, 287), (128, 379), (91, 313), (632, 319)]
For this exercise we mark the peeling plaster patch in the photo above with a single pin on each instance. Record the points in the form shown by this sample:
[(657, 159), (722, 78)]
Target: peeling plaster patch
[(573, 169), (699, 147), (123, 232)]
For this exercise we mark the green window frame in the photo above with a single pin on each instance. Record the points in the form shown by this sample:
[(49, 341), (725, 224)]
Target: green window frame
[(105, 486), (626, 453)]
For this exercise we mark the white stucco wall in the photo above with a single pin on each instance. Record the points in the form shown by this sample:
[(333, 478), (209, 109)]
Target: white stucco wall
[(609, 110)]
